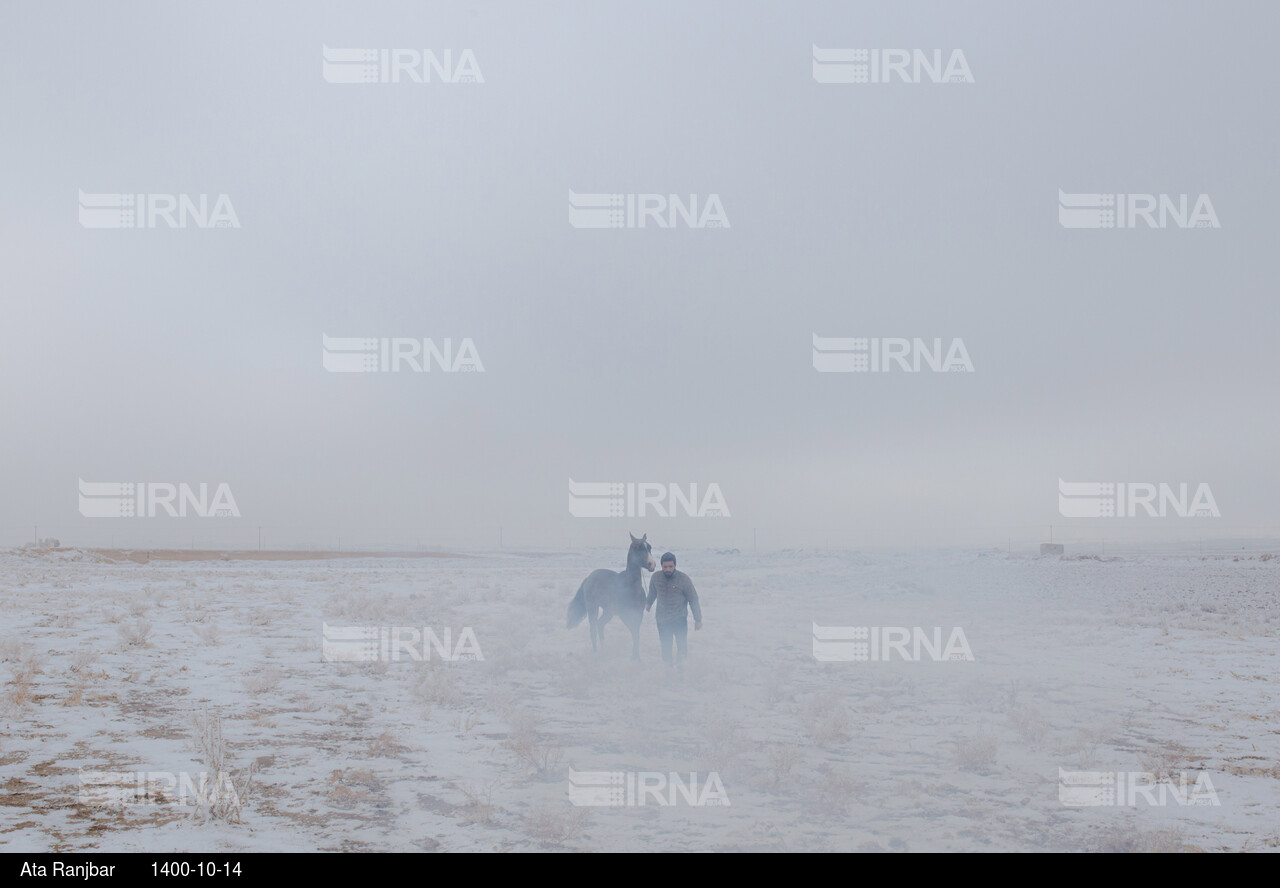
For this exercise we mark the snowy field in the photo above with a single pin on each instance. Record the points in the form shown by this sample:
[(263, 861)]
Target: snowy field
[(1155, 664)]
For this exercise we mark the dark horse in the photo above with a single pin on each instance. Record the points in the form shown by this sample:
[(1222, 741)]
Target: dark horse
[(605, 594)]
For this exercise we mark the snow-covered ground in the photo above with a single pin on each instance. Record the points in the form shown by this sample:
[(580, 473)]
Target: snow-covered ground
[(1156, 664)]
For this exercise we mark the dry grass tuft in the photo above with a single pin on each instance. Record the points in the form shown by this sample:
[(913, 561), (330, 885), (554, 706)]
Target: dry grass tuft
[(540, 754), (977, 753), (264, 681), (136, 634), (556, 825)]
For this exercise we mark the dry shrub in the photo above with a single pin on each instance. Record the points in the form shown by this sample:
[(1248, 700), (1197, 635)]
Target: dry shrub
[(778, 689), (825, 719), (208, 633), (781, 758), (136, 634), (479, 807), (226, 794), (264, 681), (350, 785), (465, 722), (384, 745), (977, 753), (724, 741), (18, 692), (436, 686), (542, 755), (556, 825), (75, 692), (1166, 762), (835, 790), (1027, 722), (1128, 839)]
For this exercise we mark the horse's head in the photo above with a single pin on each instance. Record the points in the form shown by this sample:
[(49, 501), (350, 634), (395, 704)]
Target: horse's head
[(641, 553)]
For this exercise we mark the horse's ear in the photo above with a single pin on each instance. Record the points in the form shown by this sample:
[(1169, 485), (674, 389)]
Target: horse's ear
[(645, 537), (632, 535)]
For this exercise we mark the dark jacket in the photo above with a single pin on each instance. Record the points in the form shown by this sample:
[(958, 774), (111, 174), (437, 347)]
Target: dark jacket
[(675, 597)]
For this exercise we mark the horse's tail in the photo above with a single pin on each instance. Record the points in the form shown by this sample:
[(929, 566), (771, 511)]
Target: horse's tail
[(577, 608)]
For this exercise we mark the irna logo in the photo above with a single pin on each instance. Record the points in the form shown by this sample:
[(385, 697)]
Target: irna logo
[(628, 499), (149, 210), (629, 789), (859, 644), (882, 355), (145, 788), (396, 355), (399, 66), (1092, 789), (645, 211), (886, 65), (392, 644), (127, 499), (1125, 210), (1121, 499)]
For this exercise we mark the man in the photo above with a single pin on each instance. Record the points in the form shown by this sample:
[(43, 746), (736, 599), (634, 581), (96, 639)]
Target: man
[(675, 595)]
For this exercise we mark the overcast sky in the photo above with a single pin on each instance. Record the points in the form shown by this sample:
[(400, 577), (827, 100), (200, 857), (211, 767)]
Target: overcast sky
[(671, 355)]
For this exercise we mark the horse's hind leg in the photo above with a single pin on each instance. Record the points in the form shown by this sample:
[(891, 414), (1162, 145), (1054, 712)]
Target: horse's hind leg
[(591, 619), (634, 626)]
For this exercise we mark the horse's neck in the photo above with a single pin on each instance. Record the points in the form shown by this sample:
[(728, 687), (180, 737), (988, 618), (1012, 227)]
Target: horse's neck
[(632, 573)]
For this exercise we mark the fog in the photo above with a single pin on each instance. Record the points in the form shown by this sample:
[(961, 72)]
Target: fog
[(668, 355), (851, 307)]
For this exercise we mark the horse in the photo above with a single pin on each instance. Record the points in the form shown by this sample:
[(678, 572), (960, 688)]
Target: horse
[(605, 594)]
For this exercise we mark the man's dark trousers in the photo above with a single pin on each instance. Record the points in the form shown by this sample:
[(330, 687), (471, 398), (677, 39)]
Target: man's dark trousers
[(677, 630)]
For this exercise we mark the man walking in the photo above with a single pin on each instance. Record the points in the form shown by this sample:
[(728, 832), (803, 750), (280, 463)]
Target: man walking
[(675, 595)]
